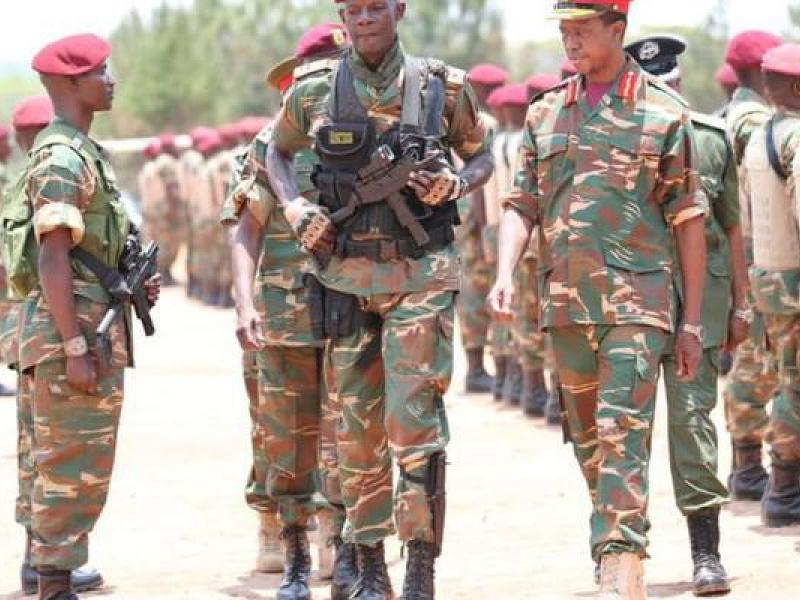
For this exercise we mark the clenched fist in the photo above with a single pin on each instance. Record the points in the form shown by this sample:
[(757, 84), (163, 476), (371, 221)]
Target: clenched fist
[(435, 188), (312, 225)]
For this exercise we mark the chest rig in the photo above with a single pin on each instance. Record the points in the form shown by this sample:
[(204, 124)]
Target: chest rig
[(362, 176)]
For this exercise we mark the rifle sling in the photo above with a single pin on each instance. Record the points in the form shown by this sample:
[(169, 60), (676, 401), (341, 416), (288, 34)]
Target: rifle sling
[(772, 151), (111, 279)]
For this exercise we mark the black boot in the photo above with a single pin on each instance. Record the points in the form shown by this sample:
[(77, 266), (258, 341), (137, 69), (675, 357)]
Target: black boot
[(500, 372), (345, 570), (534, 392), (512, 389), (82, 580), (418, 584), (725, 363), (297, 570), (710, 577), (373, 577), (749, 478), (478, 380), (780, 506), (55, 585)]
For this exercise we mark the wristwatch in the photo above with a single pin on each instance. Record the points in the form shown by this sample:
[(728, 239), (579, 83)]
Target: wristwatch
[(76, 347), (744, 314), (693, 330)]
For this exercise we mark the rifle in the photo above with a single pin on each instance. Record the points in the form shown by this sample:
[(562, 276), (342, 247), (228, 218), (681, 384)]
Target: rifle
[(137, 266)]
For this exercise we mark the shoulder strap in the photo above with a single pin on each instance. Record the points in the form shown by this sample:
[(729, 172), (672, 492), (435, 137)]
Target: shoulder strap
[(411, 113), (344, 104), (772, 152)]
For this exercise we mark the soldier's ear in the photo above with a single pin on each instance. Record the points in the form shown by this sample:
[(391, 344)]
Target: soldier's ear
[(399, 10)]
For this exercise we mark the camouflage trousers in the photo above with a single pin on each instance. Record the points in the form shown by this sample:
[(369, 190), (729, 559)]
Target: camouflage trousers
[(9, 313), (391, 381), (608, 378), (25, 469), (256, 488), (752, 383), (693, 446), (329, 477), (529, 340), (473, 315), (73, 447), (784, 427)]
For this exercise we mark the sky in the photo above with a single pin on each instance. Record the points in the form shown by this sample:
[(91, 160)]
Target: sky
[(29, 24)]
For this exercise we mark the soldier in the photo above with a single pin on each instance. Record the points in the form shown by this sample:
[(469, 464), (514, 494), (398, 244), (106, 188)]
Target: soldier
[(5, 303), (771, 169), (75, 401), (753, 379), (390, 277), (692, 434), (278, 328), (473, 316), (606, 170), (220, 167)]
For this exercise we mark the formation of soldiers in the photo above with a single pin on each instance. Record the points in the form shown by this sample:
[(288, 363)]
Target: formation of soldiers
[(588, 229)]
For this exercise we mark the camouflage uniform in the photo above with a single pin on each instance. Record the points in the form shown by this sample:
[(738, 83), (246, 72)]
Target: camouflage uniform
[(603, 184), (692, 433), (219, 269), (390, 378), (196, 191), (71, 185), (753, 379)]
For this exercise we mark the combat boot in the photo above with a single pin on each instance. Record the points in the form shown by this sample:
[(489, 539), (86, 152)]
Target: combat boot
[(512, 389), (373, 576), (749, 478), (478, 380), (326, 539), (500, 371), (297, 571), (622, 577), (55, 585), (534, 392), (345, 570), (780, 506), (418, 583), (82, 580), (709, 577), (270, 558)]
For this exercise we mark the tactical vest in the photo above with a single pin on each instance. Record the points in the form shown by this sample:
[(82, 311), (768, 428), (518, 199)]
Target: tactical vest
[(776, 241), (348, 142), (105, 220)]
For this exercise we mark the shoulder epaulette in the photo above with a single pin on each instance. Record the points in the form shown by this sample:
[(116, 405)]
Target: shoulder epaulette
[(661, 86), (314, 67), (710, 121), (557, 87)]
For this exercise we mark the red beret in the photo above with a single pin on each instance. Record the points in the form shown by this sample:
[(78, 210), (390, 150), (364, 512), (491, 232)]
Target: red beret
[(726, 76), (251, 126), (487, 74), (541, 82), (35, 111), (568, 68), (746, 50), (495, 99), (70, 56), (167, 141), (152, 149), (516, 95), (209, 141), (784, 59), (322, 39)]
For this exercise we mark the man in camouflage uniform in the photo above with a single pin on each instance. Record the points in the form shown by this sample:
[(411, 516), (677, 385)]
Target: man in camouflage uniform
[(473, 315), (753, 379), (390, 280), (6, 305), (771, 172), (606, 170), (692, 434), (220, 167), (76, 401)]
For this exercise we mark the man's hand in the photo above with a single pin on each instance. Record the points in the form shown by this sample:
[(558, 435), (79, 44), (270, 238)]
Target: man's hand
[(688, 352), (81, 374), (738, 330), (312, 225), (435, 188), (152, 287), (248, 329), (501, 299)]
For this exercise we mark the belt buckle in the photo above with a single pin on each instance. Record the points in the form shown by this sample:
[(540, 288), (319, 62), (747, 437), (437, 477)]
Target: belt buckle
[(387, 249)]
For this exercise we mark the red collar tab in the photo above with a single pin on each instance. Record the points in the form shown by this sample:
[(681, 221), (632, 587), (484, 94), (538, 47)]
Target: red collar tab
[(627, 85)]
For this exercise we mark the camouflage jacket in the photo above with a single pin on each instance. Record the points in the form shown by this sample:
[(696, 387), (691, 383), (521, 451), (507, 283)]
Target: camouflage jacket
[(279, 294), (6, 187), (719, 184), (306, 109), (69, 191), (604, 184)]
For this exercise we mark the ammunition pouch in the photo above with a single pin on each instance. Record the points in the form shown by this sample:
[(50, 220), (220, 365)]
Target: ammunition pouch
[(335, 314), (434, 482)]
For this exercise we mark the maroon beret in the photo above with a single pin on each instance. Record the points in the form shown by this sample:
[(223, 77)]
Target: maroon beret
[(726, 76), (251, 126), (34, 111), (784, 59), (495, 99), (746, 49), (152, 149), (541, 82), (205, 139), (325, 38), (70, 56), (229, 133), (167, 140), (487, 74)]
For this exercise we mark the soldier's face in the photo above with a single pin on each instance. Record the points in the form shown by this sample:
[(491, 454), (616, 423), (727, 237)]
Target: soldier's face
[(372, 25), (590, 43), (783, 91), (5, 149), (95, 89)]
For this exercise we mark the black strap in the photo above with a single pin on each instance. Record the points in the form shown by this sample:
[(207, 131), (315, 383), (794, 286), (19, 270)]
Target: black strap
[(111, 279), (392, 249), (411, 112), (345, 105), (772, 152)]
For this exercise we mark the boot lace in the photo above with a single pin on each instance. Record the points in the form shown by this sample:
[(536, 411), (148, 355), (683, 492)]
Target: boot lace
[(297, 558), (418, 584)]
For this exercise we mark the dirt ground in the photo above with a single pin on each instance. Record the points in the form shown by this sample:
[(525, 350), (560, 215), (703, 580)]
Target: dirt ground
[(176, 525)]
